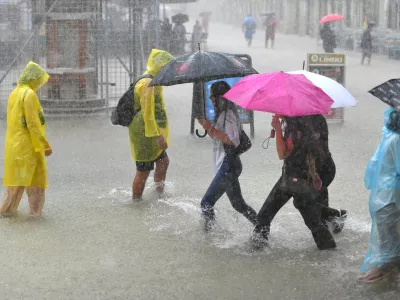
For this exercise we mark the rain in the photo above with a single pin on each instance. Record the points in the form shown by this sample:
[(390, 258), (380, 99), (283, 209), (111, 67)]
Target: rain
[(94, 241)]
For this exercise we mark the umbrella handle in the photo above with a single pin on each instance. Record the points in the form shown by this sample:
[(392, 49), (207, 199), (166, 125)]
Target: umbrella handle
[(200, 135)]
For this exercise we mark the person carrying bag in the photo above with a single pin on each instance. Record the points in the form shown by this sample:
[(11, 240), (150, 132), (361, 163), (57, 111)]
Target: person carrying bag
[(230, 141)]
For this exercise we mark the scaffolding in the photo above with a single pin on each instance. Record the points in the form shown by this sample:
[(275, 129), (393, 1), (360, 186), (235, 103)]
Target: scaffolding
[(92, 49)]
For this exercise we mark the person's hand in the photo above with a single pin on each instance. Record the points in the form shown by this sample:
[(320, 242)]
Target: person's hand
[(206, 124), (48, 152), (276, 123), (162, 143), (317, 182)]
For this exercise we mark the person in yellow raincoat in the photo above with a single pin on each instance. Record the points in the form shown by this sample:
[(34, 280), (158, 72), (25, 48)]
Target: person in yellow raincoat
[(26, 145), (149, 130)]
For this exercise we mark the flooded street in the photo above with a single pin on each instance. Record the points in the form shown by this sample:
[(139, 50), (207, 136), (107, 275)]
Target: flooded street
[(95, 243)]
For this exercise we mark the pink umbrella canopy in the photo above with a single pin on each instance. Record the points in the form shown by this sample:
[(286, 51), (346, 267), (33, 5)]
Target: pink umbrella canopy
[(331, 18), (280, 93)]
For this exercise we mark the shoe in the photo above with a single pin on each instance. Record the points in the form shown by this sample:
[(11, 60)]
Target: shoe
[(259, 241), (208, 224), (260, 235), (209, 219), (338, 222)]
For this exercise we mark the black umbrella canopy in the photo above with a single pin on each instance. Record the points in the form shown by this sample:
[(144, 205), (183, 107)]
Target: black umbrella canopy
[(388, 92), (202, 67), (180, 18)]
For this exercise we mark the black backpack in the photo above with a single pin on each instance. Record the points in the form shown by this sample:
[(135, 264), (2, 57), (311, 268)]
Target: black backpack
[(124, 113)]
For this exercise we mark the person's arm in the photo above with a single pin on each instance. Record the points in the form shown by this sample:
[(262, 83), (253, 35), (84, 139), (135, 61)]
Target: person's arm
[(312, 169), (215, 133), (283, 148), (218, 134), (33, 123)]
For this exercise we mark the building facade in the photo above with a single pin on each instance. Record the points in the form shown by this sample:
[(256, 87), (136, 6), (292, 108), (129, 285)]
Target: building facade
[(302, 16)]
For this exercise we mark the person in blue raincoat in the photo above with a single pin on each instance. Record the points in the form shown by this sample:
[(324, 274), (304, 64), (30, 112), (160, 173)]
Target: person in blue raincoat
[(382, 178), (249, 28)]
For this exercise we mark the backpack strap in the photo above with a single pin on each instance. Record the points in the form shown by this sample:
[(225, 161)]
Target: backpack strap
[(134, 85)]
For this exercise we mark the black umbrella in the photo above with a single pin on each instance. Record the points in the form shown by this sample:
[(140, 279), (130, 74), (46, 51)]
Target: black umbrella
[(180, 18), (388, 92), (202, 67)]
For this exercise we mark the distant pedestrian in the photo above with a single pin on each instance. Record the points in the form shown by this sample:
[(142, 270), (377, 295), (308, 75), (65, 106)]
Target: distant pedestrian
[(328, 38), (249, 28), (270, 29), (196, 36), (179, 38), (205, 20), (366, 43), (166, 35)]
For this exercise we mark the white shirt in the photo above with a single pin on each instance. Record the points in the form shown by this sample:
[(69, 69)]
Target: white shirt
[(232, 128)]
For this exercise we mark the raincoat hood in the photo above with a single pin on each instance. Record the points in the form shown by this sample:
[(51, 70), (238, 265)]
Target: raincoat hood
[(387, 115), (157, 60), (392, 121), (34, 76)]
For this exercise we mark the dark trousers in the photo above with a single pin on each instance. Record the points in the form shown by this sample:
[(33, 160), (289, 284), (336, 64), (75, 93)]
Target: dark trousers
[(307, 206), (227, 181)]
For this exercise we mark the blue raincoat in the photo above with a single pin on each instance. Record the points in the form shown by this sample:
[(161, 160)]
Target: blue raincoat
[(249, 26), (382, 179)]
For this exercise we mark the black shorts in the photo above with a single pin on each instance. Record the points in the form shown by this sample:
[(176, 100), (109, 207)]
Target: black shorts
[(149, 165)]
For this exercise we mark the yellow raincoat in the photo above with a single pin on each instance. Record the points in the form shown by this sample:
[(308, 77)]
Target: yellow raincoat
[(151, 121), (24, 162)]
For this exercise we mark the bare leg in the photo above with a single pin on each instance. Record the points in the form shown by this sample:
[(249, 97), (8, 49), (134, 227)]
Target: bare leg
[(12, 198), (139, 183), (160, 173), (36, 197)]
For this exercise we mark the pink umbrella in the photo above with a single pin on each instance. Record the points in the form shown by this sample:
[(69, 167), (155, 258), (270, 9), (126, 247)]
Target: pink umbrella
[(280, 93), (330, 18)]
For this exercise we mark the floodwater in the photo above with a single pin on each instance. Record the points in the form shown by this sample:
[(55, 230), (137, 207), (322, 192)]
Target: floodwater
[(94, 243)]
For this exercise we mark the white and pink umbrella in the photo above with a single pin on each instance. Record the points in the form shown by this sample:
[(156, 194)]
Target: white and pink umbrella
[(338, 93)]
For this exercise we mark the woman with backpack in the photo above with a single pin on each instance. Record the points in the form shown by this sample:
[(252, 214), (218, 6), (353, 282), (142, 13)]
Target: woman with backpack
[(299, 180), (227, 134), (326, 170)]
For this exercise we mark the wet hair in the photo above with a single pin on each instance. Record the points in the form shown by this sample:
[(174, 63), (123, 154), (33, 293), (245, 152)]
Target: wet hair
[(218, 89), (306, 139), (393, 122), (318, 125)]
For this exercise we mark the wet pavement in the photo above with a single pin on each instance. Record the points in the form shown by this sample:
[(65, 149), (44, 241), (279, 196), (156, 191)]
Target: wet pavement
[(94, 243)]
